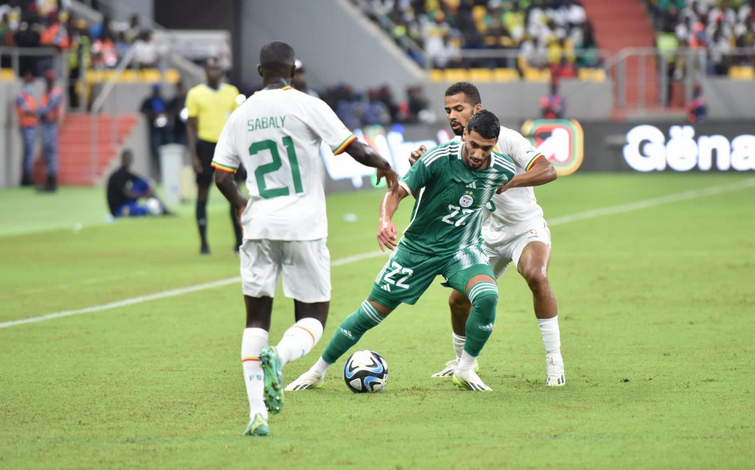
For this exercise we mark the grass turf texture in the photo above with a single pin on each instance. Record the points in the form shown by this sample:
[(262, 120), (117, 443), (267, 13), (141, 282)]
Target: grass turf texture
[(655, 310)]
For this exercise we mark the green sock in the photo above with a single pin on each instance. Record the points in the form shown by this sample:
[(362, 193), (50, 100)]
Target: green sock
[(351, 330), (484, 298)]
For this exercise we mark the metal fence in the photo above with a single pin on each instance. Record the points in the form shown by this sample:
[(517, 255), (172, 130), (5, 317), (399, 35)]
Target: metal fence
[(649, 77)]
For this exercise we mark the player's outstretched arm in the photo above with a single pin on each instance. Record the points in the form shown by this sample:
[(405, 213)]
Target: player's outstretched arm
[(365, 155), (226, 184), (542, 172), (386, 230)]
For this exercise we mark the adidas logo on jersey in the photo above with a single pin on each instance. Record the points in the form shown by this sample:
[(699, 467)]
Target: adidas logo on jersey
[(472, 185), (488, 327), (386, 287), (346, 333)]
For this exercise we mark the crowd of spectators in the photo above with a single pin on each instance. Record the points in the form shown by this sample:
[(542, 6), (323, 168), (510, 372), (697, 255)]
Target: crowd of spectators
[(714, 27), (544, 33), (49, 23), (377, 106)]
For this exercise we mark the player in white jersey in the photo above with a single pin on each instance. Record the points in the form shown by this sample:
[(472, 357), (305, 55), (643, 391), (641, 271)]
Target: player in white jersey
[(514, 231), (276, 134)]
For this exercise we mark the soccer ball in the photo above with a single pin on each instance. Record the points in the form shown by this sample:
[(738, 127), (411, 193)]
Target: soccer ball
[(154, 207), (365, 372)]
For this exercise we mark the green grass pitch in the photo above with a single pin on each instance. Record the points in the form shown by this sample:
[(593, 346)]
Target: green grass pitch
[(656, 309)]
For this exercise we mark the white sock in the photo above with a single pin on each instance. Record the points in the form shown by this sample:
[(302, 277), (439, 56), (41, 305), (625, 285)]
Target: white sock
[(458, 344), (320, 366), (253, 341), (466, 361), (299, 340), (551, 336)]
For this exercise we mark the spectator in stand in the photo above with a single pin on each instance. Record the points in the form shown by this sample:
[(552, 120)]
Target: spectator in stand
[(79, 57), (103, 29), (553, 105), (178, 114), (27, 36), (300, 80), (564, 69), (155, 110), (49, 114), (134, 30), (419, 106), (26, 107), (145, 51), (124, 189), (104, 55), (375, 112), (720, 48), (386, 96), (54, 33), (697, 112), (6, 32), (121, 44)]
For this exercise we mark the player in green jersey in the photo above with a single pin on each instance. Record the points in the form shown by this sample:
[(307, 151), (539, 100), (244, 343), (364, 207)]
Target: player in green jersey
[(452, 184)]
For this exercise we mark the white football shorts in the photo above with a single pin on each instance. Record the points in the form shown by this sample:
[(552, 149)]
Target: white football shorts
[(511, 245), (305, 266)]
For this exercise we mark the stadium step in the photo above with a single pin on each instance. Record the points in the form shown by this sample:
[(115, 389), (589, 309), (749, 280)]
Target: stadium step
[(620, 25), (75, 147)]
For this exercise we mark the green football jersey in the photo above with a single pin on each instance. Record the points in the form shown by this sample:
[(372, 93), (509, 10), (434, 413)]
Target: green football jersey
[(451, 197)]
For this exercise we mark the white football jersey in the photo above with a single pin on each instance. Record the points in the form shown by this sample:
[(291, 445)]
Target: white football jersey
[(276, 135), (516, 205)]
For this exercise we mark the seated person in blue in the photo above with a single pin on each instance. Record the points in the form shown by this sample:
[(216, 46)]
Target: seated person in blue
[(124, 189)]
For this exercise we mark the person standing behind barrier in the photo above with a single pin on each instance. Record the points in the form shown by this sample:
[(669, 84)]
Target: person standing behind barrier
[(209, 106), (176, 107), (26, 107), (155, 109), (49, 114)]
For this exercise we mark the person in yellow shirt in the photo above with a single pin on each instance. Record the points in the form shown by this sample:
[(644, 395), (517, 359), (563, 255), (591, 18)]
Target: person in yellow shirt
[(209, 106)]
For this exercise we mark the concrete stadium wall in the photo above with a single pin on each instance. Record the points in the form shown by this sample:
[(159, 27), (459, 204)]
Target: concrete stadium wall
[(334, 40), (515, 102), (729, 99)]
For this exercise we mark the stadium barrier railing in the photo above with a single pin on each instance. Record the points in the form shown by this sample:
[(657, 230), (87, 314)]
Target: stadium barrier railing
[(685, 66)]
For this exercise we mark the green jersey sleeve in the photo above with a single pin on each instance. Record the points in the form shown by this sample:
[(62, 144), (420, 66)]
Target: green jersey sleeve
[(417, 177)]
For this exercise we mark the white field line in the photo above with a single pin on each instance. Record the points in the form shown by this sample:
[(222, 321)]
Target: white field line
[(658, 201), (633, 206), (88, 282)]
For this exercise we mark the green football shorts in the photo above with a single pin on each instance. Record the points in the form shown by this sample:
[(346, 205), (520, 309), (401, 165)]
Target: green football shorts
[(408, 274)]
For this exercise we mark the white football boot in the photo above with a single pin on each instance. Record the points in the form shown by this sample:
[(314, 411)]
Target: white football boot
[(309, 379), (450, 368), (554, 368), (469, 380)]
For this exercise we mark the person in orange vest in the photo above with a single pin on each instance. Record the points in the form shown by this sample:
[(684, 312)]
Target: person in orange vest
[(49, 114), (26, 107), (553, 105), (54, 33)]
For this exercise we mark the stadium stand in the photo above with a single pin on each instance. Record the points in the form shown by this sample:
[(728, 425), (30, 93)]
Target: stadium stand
[(715, 28), (540, 35)]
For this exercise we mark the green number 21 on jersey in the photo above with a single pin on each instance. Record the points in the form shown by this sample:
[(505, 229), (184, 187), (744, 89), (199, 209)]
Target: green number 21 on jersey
[(274, 166)]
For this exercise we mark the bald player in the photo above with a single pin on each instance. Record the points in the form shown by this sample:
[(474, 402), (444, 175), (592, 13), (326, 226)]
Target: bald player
[(276, 134)]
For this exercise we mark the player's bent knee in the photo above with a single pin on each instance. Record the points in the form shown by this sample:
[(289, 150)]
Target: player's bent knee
[(485, 306), (484, 297), (536, 278), (459, 301)]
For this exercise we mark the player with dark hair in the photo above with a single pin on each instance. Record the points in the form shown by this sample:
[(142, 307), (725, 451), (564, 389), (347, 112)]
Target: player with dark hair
[(515, 231), (452, 184), (277, 135), (209, 106)]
